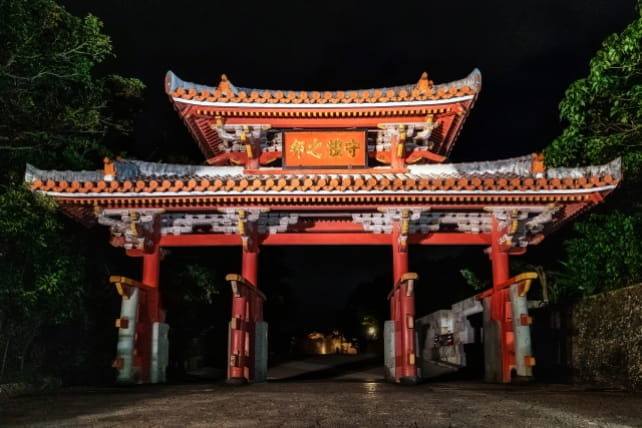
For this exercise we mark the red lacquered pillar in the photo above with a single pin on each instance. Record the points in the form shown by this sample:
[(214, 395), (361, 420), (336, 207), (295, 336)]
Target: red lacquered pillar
[(149, 311), (246, 310), (403, 305), (500, 304), (151, 278), (250, 265), (254, 306)]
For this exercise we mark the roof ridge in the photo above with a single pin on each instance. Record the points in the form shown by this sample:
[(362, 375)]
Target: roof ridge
[(522, 166), (226, 91)]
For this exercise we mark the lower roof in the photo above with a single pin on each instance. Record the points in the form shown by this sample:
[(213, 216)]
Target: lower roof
[(517, 183), (176, 205), (137, 179)]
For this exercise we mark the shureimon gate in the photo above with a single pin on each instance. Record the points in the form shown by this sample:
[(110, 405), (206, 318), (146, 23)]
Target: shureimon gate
[(357, 167)]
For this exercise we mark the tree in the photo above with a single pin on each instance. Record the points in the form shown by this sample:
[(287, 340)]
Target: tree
[(41, 283), (606, 253), (55, 112), (604, 109), (604, 116)]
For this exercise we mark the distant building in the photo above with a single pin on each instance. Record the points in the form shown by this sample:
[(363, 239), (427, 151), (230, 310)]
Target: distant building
[(317, 343)]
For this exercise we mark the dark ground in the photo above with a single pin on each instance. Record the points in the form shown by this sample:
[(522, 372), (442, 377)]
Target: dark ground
[(351, 398)]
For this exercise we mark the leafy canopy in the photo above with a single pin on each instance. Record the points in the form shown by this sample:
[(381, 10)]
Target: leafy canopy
[(604, 116), (606, 253), (604, 109), (55, 113)]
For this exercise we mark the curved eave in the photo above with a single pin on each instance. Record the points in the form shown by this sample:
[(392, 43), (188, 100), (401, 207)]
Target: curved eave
[(464, 198), (520, 168), (181, 91), (325, 106), (198, 105), (468, 186), (572, 201)]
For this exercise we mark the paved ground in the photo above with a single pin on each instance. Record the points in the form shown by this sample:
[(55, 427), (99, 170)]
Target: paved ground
[(366, 367), (356, 397)]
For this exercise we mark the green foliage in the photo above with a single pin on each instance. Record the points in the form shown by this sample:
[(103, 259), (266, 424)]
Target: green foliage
[(474, 280), (55, 112), (605, 254), (604, 116), (198, 282), (604, 109), (38, 271), (41, 282)]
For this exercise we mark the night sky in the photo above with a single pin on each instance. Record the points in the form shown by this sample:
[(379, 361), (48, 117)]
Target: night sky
[(528, 51)]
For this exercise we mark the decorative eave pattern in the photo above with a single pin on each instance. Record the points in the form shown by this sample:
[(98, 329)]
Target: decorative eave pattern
[(228, 94), (145, 184), (207, 110), (143, 202)]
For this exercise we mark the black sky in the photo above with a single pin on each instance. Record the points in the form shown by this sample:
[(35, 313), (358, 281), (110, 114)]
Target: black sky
[(528, 51)]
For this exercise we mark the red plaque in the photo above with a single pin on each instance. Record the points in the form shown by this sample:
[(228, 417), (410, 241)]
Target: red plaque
[(324, 149)]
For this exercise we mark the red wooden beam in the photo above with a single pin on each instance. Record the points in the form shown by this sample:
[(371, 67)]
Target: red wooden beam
[(346, 122), (240, 158), (417, 155), (327, 226), (337, 238), (204, 240), (445, 238)]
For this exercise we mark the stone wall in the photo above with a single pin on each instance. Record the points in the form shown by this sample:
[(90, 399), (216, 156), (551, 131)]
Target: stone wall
[(605, 340), (439, 356)]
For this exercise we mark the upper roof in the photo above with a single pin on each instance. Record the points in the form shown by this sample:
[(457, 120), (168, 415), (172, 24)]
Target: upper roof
[(423, 92), (213, 114)]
